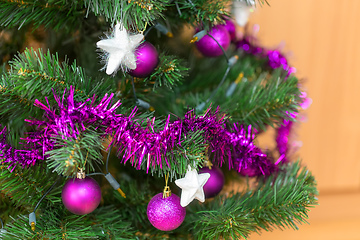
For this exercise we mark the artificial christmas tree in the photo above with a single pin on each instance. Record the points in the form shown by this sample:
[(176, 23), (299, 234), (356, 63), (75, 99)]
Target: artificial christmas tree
[(166, 107)]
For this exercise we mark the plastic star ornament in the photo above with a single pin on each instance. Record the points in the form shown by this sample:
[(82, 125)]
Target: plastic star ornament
[(192, 186), (121, 49)]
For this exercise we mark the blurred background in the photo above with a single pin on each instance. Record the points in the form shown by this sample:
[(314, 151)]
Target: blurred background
[(321, 39)]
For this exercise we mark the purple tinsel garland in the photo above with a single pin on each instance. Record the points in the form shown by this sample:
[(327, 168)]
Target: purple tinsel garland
[(282, 138), (137, 144), (12, 156), (275, 60)]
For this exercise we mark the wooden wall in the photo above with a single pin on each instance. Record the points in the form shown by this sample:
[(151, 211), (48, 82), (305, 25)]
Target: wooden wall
[(322, 40)]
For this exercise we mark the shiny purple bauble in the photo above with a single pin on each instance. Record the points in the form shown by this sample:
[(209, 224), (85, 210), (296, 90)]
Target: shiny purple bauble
[(231, 28), (147, 59), (208, 46), (81, 196), (165, 214), (215, 183)]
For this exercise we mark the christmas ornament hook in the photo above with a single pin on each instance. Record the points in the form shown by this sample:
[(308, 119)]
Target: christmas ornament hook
[(167, 190)]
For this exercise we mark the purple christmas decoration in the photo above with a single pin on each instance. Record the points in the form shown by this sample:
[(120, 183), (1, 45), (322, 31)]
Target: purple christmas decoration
[(137, 145), (209, 47), (13, 156), (147, 59), (248, 159), (231, 28), (81, 196), (165, 214), (282, 139), (215, 183), (277, 60), (248, 47), (69, 119)]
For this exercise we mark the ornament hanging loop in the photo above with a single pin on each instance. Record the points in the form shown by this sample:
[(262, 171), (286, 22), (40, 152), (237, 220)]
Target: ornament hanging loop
[(142, 31), (208, 163), (167, 191), (81, 173)]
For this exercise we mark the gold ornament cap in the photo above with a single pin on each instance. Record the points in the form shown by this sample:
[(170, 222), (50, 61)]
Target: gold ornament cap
[(80, 174)]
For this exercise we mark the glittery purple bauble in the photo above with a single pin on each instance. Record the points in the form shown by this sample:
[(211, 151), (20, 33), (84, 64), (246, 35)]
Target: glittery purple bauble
[(208, 46), (215, 183), (81, 196), (147, 59), (165, 214), (231, 28)]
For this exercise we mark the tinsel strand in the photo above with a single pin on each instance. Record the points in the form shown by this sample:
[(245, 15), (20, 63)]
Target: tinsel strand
[(69, 118)]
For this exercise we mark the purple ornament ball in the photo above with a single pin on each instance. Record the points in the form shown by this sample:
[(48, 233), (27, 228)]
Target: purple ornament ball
[(231, 28), (147, 59), (215, 183), (165, 214), (209, 47), (81, 196)]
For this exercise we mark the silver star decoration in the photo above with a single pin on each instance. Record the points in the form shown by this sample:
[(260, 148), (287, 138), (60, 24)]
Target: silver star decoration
[(192, 186), (121, 48)]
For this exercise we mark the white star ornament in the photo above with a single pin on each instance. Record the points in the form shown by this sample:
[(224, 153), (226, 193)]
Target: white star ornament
[(192, 186), (121, 49), (241, 11)]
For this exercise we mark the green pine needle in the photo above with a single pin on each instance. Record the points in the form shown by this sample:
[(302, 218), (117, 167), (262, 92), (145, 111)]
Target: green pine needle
[(103, 223), (26, 186), (280, 201), (51, 13), (71, 154), (36, 75), (140, 12), (170, 72)]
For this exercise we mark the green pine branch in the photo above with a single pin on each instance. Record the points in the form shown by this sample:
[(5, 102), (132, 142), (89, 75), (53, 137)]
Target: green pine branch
[(51, 13), (200, 83), (13, 110), (25, 186), (137, 198), (262, 101), (190, 152), (8, 208), (71, 154), (170, 72), (175, 163), (294, 192), (34, 75), (136, 14), (265, 100), (103, 223), (200, 12), (259, 102), (280, 201)]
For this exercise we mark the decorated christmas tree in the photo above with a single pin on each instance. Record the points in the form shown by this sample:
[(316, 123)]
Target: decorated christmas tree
[(139, 119)]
